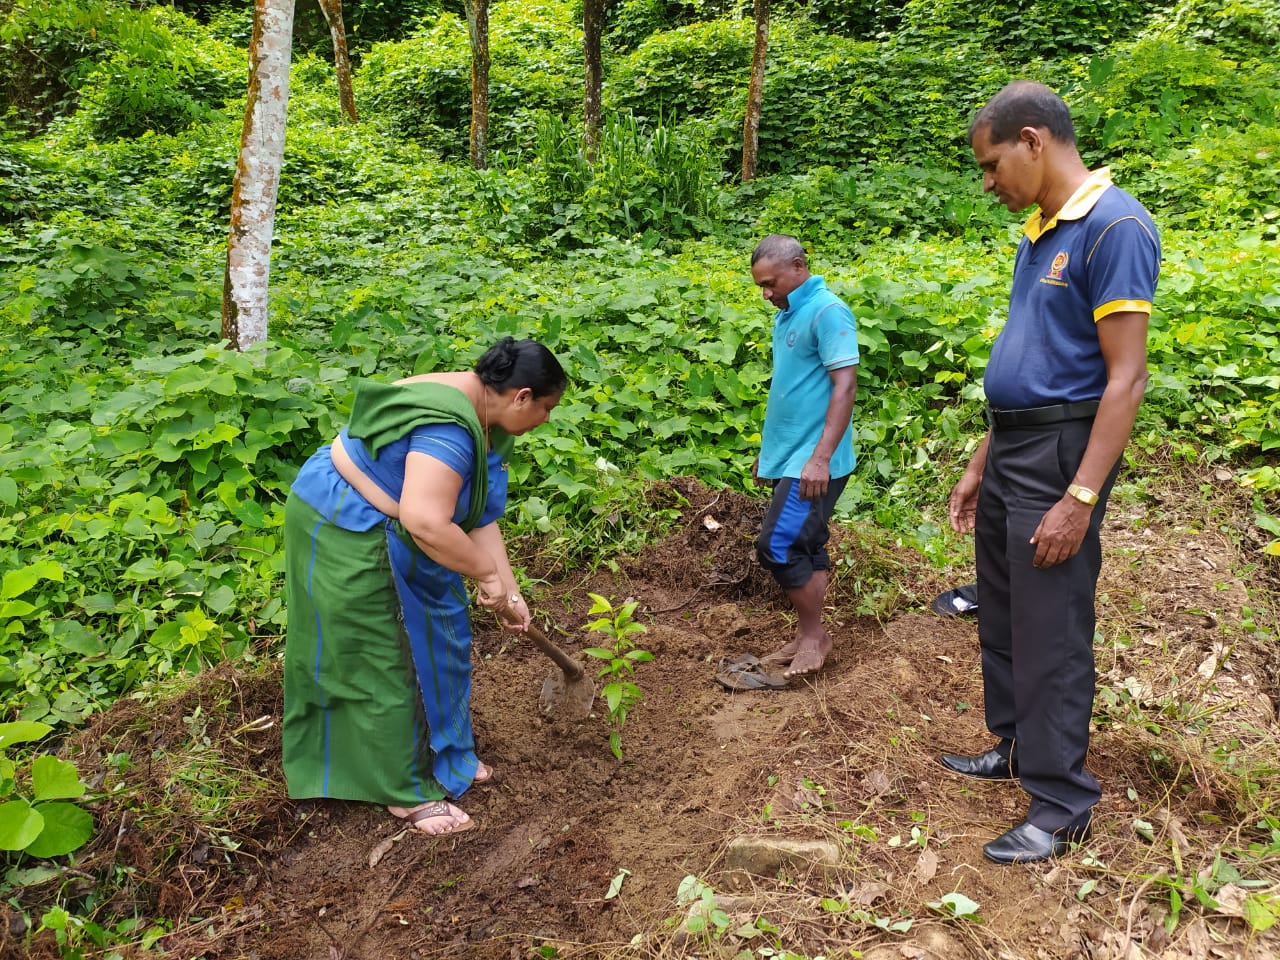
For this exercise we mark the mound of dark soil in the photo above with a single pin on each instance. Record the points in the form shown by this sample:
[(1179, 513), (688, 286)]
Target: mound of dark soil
[(577, 854)]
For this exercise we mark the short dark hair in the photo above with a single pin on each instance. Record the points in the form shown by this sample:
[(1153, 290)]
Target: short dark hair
[(512, 364), (779, 248), (1024, 103)]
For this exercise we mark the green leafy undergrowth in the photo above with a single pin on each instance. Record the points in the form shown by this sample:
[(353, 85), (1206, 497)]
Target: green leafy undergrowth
[(37, 818), (1215, 342), (155, 483), (140, 514), (111, 69)]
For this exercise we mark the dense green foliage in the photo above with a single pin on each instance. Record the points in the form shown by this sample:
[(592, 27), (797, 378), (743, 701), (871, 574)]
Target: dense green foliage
[(143, 467), (420, 87), (149, 465), (115, 71)]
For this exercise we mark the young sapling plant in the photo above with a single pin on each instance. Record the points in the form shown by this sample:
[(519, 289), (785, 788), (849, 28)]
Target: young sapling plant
[(620, 692)]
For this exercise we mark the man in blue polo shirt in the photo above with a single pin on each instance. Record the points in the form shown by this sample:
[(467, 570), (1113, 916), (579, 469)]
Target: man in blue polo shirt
[(806, 452), (1064, 382)]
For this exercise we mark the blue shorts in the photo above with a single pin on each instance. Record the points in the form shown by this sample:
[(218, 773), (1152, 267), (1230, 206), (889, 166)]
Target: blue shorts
[(793, 538)]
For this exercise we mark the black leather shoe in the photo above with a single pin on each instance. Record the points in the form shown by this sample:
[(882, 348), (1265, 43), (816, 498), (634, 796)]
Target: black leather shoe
[(991, 765), (1027, 843)]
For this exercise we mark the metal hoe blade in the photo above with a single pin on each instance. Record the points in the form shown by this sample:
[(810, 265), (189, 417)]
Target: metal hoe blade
[(566, 699), (568, 692)]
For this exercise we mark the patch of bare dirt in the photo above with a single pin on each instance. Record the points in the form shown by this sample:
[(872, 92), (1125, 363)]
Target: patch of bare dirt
[(847, 760)]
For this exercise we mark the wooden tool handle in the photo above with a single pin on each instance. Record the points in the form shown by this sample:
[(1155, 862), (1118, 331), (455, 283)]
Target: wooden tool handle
[(572, 669)]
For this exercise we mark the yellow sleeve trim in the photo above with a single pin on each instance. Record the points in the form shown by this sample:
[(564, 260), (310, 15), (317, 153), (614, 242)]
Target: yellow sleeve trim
[(1121, 306)]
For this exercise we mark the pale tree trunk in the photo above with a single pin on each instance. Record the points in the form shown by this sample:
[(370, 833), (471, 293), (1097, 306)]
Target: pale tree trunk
[(478, 29), (592, 30), (755, 93), (332, 10), (257, 178)]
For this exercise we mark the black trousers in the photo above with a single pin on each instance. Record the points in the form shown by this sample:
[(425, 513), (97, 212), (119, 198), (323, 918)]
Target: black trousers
[(1035, 626)]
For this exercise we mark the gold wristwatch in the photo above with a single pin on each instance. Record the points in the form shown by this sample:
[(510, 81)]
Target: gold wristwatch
[(1083, 494)]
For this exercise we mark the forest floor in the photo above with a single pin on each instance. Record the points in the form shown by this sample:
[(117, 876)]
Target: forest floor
[(577, 854)]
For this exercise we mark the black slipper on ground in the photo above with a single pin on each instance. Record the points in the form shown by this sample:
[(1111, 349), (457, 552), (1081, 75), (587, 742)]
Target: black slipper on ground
[(746, 672), (960, 602)]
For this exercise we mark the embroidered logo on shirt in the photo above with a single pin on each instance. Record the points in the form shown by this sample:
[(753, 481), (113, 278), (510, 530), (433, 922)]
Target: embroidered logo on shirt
[(1054, 276), (792, 336)]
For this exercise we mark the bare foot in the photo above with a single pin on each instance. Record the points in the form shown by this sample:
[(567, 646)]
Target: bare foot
[(435, 818), (809, 657), (783, 654)]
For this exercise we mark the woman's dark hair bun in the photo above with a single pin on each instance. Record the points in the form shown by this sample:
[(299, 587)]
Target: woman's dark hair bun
[(512, 364)]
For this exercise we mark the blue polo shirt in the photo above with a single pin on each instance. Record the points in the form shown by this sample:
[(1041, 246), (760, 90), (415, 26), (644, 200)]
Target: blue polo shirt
[(1099, 255), (814, 335)]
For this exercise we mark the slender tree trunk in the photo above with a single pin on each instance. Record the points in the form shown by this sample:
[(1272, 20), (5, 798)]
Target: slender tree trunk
[(257, 177), (592, 30), (755, 93), (478, 29), (341, 62)]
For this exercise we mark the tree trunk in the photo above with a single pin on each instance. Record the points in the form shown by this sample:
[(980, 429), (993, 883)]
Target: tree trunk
[(755, 93), (257, 177), (341, 62), (592, 30), (478, 29)]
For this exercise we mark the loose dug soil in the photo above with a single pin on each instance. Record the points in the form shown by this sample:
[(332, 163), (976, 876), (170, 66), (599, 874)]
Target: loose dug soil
[(576, 854)]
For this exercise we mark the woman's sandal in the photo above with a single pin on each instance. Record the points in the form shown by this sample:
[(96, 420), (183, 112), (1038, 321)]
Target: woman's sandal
[(484, 773), (435, 810)]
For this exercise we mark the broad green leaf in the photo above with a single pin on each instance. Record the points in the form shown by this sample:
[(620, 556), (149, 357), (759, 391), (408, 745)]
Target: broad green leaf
[(15, 608), (21, 731), (152, 568), (66, 828), (956, 905), (31, 876), (248, 512), (54, 779), (35, 709), (220, 599), (19, 825), (1261, 912), (120, 443), (613, 696), (18, 582), (74, 638)]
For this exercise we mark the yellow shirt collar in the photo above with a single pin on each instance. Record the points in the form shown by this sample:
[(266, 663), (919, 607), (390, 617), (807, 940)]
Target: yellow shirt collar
[(1077, 205)]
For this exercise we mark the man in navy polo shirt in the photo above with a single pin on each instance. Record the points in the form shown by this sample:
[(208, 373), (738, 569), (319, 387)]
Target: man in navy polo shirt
[(806, 452), (1064, 382)]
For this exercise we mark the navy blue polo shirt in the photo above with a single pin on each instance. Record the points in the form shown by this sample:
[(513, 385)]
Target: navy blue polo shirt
[(1099, 255)]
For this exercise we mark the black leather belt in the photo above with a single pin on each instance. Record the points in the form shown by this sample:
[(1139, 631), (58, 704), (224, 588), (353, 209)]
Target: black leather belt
[(1040, 416)]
